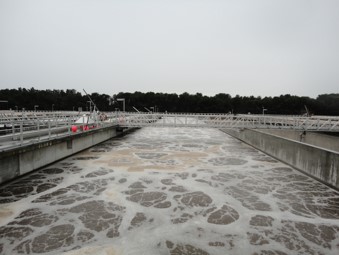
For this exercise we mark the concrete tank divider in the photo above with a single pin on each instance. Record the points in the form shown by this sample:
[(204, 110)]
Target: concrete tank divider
[(315, 161), (326, 141), (9, 167), (24, 159)]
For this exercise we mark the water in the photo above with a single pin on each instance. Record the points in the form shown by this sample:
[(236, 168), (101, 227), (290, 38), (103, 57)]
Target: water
[(169, 191)]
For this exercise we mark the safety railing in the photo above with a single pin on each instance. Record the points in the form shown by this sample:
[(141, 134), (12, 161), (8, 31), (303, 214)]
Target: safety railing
[(31, 127), (25, 129), (315, 123)]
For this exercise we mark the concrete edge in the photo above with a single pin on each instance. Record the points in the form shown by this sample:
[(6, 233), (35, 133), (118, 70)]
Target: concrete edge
[(23, 160), (326, 172)]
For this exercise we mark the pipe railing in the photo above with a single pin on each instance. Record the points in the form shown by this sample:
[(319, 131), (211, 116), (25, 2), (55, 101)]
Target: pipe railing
[(30, 126)]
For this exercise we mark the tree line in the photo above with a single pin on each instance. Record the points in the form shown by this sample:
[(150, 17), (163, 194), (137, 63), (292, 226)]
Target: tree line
[(72, 100)]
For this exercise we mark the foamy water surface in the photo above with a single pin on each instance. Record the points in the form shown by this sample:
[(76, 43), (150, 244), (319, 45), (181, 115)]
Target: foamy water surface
[(169, 191)]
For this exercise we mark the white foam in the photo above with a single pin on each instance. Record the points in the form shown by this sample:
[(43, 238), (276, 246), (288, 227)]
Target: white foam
[(97, 250)]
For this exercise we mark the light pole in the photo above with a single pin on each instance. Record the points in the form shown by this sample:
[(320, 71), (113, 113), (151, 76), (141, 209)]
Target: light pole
[(263, 111), (3, 101), (35, 106), (123, 103), (52, 107), (263, 114)]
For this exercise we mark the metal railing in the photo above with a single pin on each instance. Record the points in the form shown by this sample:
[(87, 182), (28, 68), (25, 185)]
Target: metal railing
[(22, 128), (315, 123), (19, 128)]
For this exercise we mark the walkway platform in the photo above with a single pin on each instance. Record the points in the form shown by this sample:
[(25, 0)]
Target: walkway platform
[(315, 123)]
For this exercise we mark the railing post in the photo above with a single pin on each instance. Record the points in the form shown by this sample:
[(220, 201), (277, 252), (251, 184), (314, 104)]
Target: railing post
[(21, 133), (49, 129), (13, 130)]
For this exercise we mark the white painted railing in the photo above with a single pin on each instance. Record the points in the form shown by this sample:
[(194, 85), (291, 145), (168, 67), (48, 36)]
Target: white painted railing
[(29, 127), (315, 123)]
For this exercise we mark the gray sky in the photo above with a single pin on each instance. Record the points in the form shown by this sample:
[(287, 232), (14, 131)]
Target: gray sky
[(245, 47)]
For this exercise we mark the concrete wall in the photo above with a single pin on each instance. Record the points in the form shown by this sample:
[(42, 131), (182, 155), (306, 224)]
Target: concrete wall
[(317, 162), (21, 160), (314, 138)]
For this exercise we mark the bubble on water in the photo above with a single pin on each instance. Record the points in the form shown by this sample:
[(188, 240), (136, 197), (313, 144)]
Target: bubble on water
[(223, 161), (97, 250)]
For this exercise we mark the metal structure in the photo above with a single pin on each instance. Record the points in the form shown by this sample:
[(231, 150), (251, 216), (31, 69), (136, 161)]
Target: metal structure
[(222, 121), (40, 119), (25, 127), (33, 118), (28, 127)]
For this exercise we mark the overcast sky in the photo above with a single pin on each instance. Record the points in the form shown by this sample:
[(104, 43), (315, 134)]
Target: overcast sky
[(245, 47)]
